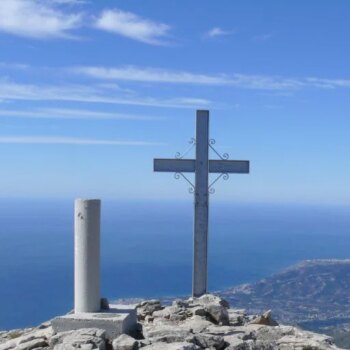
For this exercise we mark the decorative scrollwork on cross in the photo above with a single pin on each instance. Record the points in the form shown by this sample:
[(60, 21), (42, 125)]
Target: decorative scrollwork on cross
[(177, 176), (192, 143), (224, 156), (224, 176)]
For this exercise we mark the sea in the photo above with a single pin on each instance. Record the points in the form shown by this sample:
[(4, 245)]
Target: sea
[(146, 249)]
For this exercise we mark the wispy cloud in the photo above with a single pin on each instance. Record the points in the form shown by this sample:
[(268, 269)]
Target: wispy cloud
[(17, 66), (133, 26), (246, 81), (62, 113), (263, 37), (36, 19), (216, 31), (70, 2), (131, 73), (145, 74), (58, 140), (329, 83), (89, 94)]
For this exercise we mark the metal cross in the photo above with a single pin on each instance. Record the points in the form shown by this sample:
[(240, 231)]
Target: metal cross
[(201, 166)]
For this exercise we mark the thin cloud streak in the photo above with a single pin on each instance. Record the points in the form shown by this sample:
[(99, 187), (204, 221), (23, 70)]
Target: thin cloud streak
[(80, 114), (254, 82), (15, 66), (101, 93), (155, 75), (329, 83), (88, 94), (57, 140), (70, 2), (263, 37)]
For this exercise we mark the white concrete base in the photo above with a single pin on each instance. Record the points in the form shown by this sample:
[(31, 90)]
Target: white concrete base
[(119, 319)]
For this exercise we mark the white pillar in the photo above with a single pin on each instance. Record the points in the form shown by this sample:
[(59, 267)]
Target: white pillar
[(87, 215)]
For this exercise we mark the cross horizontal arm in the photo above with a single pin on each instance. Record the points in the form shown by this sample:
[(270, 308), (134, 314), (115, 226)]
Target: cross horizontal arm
[(174, 165), (229, 166), (188, 166)]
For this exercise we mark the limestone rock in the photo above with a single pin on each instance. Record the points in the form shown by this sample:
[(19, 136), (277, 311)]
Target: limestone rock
[(218, 313), (265, 319), (270, 334), (146, 308), (199, 310), (144, 342), (85, 338), (235, 342), (196, 324), (124, 342), (225, 330), (32, 344), (211, 306), (209, 341), (174, 313), (166, 333), (207, 299), (44, 325), (237, 317), (172, 346), (26, 339), (180, 303), (300, 340), (13, 334)]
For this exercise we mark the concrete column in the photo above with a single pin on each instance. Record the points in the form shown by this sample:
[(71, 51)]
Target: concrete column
[(87, 215)]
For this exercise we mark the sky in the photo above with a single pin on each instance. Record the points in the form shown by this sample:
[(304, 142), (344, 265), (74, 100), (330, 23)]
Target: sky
[(91, 91)]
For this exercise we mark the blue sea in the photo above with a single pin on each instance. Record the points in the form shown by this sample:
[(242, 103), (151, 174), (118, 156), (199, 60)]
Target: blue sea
[(147, 249)]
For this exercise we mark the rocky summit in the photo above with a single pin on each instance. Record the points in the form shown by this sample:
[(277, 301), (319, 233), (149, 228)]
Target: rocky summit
[(207, 322)]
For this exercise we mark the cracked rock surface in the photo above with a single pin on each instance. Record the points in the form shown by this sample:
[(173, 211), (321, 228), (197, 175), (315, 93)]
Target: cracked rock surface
[(207, 322)]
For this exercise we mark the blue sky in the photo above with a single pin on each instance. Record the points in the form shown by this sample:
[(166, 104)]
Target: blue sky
[(92, 91)]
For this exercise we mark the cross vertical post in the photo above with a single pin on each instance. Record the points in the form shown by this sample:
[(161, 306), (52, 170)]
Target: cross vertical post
[(201, 205)]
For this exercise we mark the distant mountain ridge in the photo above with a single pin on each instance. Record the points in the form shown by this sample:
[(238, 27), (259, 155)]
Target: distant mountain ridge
[(313, 294)]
